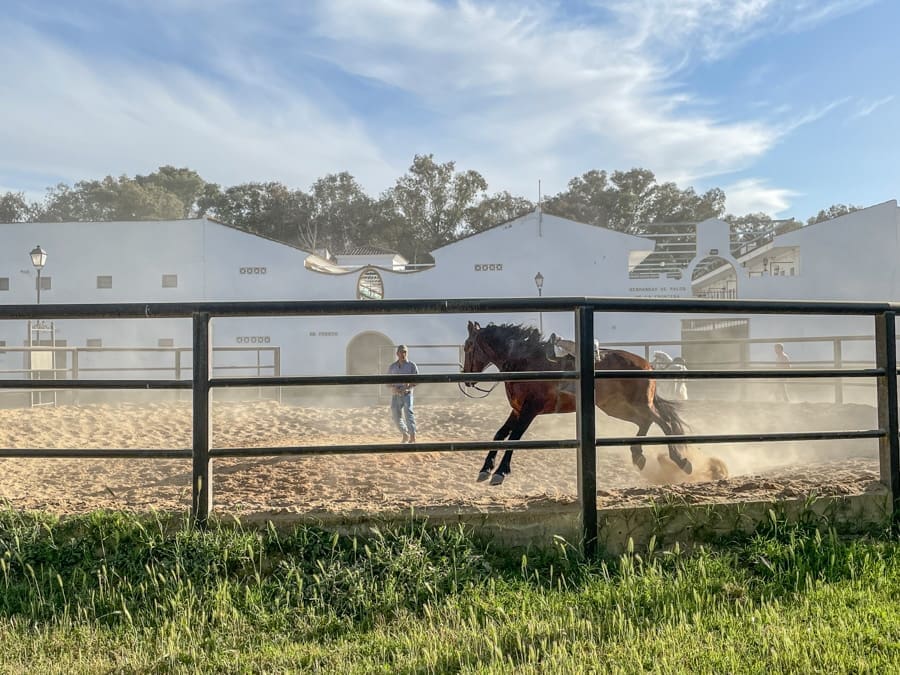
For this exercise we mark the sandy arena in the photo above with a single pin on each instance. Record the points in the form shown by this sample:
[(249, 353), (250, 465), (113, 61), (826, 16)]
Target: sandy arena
[(391, 482)]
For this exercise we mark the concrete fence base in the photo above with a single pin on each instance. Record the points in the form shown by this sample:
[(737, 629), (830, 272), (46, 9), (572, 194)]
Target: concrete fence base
[(620, 528)]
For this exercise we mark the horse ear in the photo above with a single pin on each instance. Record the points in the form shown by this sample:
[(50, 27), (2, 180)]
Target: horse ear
[(477, 326)]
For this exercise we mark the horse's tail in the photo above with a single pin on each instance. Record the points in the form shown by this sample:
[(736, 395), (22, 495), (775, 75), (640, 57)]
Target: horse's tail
[(668, 411)]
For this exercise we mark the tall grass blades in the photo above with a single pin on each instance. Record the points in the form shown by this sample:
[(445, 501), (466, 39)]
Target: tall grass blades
[(119, 592)]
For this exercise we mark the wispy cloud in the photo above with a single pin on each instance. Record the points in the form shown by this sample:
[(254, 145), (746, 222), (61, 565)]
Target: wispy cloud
[(753, 195), (519, 91), (88, 119), (523, 86), (866, 108), (810, 13)]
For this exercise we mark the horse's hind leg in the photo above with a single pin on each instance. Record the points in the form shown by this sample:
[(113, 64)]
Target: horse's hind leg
[(675, 454), (678, 457), (637, 451), (501, 435)]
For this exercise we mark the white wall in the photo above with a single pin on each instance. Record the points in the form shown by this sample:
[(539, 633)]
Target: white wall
[(849, 258)]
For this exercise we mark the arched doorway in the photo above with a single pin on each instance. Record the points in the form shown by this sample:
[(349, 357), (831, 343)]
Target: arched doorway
[(714, 277), (366, 353), (369, 353)]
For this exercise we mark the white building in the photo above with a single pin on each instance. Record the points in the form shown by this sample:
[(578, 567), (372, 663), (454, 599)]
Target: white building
[(849, 258)]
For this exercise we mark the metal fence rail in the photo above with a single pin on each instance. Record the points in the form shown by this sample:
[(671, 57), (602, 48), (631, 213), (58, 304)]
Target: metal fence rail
[(202, 382)]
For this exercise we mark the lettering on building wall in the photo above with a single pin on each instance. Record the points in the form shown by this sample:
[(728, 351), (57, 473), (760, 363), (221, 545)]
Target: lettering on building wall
[(253, 339), (253, 270), (323, 333), (659, 291), (489, 267)]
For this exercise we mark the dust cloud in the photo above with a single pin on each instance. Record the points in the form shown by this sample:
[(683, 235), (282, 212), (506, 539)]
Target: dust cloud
[(397, 481)]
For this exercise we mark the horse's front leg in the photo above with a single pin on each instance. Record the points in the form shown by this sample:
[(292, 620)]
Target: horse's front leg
[(501, 435), (526, 416)]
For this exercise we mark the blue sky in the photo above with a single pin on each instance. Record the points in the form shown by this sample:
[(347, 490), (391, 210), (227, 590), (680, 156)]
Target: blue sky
[(787, 106)]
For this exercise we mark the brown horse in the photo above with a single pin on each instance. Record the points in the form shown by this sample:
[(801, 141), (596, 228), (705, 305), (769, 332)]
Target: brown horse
[(517, 348)]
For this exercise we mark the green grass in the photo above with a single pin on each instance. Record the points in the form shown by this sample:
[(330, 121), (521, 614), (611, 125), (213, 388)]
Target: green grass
[(111, 592)]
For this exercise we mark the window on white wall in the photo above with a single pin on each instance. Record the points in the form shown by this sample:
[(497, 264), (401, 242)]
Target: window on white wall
[(104, 281), (170, 281), (46, 283), (93, 342), (166, 342), (370, 286), (4, 283)]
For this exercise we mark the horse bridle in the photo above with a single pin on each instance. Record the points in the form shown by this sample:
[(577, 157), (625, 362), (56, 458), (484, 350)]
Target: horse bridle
[(465, 390)]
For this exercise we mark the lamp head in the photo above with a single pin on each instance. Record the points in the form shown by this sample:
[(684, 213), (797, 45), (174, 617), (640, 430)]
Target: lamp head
[(38, 257)]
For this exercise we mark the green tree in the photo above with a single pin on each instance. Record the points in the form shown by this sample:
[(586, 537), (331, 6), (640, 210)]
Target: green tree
[(588, 199), (268, 209), (431, 200), (184, 183), (14, 208), (633, 193), (338, 214), (109, 199), (669, 204), (495, 209), (833, 211), (627, 200), (749, 228)]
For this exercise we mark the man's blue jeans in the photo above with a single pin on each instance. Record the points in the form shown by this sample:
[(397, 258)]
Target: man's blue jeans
[(402, 412)]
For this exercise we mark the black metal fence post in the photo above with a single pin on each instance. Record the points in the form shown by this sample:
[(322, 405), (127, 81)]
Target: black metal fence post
[(889, 446), (585, 416), (202, 493)]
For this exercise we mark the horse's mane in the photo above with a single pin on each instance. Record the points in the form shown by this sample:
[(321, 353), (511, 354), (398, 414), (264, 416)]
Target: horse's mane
[(527, 339)]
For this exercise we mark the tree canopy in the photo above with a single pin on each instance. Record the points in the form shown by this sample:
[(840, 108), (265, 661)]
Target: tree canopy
[(431, 205)]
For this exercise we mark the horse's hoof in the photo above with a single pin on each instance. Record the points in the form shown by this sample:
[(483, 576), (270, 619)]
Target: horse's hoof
[(686, 466), (497, 478), (639, 461), (483, 476)]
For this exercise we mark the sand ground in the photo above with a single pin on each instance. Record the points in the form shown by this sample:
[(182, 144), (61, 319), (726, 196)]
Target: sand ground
[(389, 482)]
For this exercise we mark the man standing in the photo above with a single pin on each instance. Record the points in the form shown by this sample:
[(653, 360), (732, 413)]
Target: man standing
[(402, 396), (781, 361)]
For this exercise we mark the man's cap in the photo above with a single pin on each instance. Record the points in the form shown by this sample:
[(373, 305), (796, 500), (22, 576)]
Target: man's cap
[(401, 348)]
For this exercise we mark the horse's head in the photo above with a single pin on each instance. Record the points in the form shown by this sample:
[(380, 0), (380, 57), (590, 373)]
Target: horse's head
[(475, 360)]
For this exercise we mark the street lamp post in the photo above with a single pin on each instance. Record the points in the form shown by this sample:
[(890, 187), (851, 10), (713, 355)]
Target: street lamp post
[(38, 259), (539, 282), (36, 360)]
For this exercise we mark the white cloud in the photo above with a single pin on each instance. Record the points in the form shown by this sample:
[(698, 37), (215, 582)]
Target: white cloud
[(514, 90), (753, 195), (78, 118), (537, 94), (866, 108)]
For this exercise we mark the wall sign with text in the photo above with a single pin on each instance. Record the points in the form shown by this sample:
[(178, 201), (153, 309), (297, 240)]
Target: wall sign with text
[(489, 267)]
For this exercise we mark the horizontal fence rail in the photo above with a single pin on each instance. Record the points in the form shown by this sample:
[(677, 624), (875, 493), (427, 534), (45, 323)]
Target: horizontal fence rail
[(202, 382)]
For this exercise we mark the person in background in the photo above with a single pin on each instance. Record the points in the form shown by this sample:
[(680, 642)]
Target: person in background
[(670, 389), (681, 394), (781, 361), (402, 395)]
